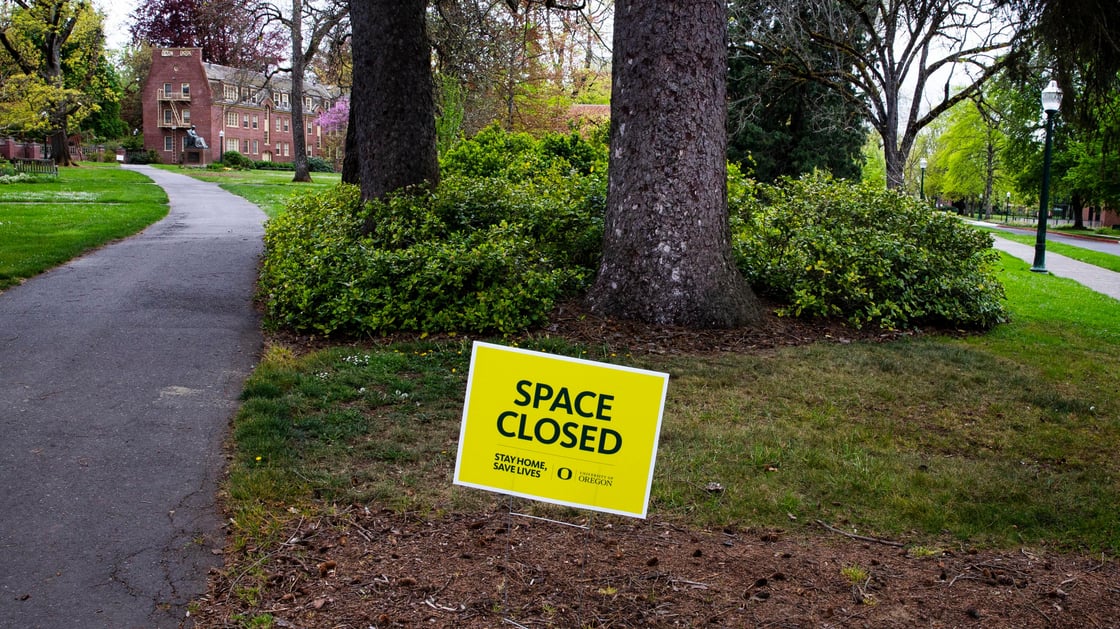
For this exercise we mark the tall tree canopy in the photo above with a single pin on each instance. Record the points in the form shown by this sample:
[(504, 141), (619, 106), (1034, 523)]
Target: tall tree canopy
[(520, 63), (1080, 38), (229, 32), (54, 54), (781, 124), (905, 62), (667, 246)]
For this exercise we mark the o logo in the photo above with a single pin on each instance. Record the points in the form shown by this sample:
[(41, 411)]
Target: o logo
[(565, 473)]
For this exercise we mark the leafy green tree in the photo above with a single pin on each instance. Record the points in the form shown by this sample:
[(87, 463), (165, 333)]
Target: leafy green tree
[(105, 89), (966, 160), (57, 47)]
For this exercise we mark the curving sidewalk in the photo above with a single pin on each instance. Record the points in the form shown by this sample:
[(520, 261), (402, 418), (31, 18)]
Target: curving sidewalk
[(1097, 278), (119, 374)]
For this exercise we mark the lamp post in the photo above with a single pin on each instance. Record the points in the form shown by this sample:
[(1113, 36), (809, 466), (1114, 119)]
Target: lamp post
[(1051, 100), (1007, 209), (922, 163), (221, 143)]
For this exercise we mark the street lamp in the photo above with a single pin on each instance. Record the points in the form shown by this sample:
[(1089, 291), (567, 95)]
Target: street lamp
[(221, 143), (1007, 209), (922, 163), (1051, 100)]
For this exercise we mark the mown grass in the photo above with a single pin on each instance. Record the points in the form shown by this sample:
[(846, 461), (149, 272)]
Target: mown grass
[(269, 190), (46, 223), (1104, 260), (999, 439)]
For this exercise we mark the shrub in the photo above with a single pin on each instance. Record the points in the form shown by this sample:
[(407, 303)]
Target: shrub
[(233, 159), (494, 152), (263, 165), (865, 254), (515, 224), (319, 165), (471, 257), (142, 157)]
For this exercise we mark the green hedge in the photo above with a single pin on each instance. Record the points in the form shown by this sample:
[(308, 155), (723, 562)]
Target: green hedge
[(516, 224), (865, 254), (480, 254)]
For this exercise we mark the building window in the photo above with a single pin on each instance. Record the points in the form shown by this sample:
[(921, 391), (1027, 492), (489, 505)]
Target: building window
[(167, 90), (284, 98), (167, 117), (232, 144), (168, 144), (255, 125), (245, 120), (230, 92), (256, 147), (286, 147), (186, 90), (285, 125), (186, 117), (277, 123), (231, 118)]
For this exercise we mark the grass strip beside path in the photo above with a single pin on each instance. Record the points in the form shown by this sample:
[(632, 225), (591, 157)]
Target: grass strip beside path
[(269, 190), (49, 222), (1096, 258), (1000, 439)]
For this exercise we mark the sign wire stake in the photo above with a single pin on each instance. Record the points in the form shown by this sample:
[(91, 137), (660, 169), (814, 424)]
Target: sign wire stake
[(537, 517)]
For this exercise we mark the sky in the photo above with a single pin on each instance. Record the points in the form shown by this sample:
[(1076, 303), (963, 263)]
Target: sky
[(116, 20)]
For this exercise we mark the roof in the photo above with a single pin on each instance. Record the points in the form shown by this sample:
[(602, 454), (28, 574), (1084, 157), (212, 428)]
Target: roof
[(279, 81)]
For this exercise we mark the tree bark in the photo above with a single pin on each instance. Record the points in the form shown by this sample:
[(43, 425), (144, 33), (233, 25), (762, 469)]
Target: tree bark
[(393, 103), (667, 247), (299, 127)]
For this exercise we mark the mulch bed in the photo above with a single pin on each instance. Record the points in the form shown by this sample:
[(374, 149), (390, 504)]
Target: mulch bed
[(381, 570)]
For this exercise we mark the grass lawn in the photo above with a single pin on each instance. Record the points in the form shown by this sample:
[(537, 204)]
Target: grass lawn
[(46, 223), (1000, 439), (268, 189)]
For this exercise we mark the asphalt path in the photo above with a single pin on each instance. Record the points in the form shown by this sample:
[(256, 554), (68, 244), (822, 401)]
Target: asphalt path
[(119, 374)]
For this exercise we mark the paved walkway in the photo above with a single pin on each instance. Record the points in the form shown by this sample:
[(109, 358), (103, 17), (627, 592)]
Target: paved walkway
[(119, 374), (1097, 278)]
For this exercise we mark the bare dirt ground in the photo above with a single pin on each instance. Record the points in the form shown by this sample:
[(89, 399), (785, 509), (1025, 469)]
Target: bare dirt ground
[(367, 568), (364, 569)]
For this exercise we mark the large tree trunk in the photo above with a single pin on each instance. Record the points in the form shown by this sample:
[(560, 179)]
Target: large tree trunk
[(299, 128), (667, 249), (350, 170), (393, 104), (1077, 208)]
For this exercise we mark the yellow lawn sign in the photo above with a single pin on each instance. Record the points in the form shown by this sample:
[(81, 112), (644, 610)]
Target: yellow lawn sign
[(561, 430)]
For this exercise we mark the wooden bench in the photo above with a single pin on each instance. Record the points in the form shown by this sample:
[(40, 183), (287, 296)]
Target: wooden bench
[(35, 166)]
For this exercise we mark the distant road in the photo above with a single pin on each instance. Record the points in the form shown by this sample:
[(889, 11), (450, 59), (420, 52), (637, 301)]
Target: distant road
[(1112, 247)]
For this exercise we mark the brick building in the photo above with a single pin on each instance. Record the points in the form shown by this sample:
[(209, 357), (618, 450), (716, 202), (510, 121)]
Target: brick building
[(231, 109)]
